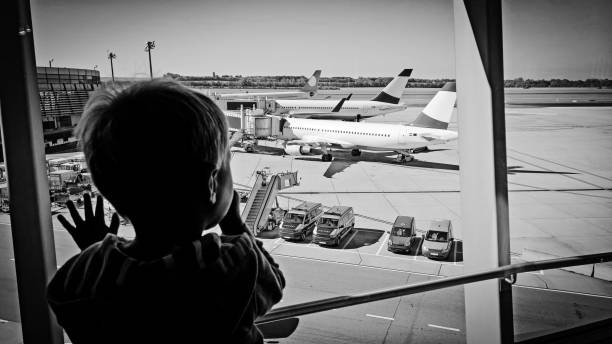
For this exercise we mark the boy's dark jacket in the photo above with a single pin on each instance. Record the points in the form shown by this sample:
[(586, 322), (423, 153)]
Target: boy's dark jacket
[(210, 291)]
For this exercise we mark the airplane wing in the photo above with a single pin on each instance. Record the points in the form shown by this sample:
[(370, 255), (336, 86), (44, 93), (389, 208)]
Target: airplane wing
[(323, 141), (325, 114)]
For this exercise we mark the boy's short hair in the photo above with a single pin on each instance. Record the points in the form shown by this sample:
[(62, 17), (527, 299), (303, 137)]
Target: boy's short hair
[(153, 142)]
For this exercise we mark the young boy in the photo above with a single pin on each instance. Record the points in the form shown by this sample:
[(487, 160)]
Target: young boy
[(159, 153)]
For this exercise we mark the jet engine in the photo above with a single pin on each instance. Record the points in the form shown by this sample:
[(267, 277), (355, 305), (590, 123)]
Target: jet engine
[(298, 150)]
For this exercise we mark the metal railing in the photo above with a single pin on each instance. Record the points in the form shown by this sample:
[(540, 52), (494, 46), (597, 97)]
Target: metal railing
[(508, 273)]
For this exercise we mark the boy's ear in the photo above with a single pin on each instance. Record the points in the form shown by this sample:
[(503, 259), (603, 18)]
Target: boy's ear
[(212, 186)]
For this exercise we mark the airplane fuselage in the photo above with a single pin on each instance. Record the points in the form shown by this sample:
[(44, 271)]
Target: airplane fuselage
[(263, 95), (350, 108), (372, 136)]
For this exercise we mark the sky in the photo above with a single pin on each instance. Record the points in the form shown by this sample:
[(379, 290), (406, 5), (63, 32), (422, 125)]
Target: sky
[(542, 38)]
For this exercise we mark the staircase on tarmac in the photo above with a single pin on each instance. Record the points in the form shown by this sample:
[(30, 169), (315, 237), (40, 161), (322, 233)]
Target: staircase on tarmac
[(255, 207), (263, 196)]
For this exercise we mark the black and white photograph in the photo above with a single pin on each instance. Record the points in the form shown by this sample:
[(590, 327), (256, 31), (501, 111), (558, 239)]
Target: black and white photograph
[(289, 171)]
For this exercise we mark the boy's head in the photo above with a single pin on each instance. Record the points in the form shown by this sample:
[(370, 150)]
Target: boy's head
[(158, 152)]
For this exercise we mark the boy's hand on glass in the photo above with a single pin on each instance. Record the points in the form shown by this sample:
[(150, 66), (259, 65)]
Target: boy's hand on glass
[(232, 224), (91, 229)]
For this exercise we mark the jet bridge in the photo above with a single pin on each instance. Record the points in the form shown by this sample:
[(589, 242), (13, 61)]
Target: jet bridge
[(255, 123), (263, 196)]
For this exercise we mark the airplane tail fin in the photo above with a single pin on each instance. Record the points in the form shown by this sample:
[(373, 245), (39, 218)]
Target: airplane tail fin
[(393, 91), (438, 111), (312, 84)]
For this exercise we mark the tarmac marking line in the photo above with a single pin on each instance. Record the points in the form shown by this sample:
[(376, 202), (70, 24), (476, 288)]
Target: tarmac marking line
[(541, 272), (444, 327), (357, 265), (382, 243), (564, 291), (379, 317), (349, 240), (2, 321), (405, 258)]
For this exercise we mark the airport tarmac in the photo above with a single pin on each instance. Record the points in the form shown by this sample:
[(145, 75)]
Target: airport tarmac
[(560, 177)]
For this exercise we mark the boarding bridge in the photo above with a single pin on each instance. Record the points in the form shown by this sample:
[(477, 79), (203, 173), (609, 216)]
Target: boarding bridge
[(254, 123), (263, 196)]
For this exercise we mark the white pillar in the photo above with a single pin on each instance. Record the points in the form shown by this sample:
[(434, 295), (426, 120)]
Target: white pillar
[(482, 161)]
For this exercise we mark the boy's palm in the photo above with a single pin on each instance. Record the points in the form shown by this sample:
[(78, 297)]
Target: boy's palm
[(91, 229)]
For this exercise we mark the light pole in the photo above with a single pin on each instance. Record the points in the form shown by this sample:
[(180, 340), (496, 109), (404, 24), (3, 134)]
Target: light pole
[(95, 67), (50, 61), (150, 46), (112, 56)]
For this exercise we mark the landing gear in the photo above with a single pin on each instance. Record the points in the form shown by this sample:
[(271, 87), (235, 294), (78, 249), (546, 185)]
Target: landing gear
[(355, 152), (326, 156), (404, 158), (358, 118)]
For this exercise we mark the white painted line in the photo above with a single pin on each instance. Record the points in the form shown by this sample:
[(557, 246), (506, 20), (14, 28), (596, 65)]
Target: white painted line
[(12, 259), (541, 272), (564, 291), (379, 317), (2, 321), (349, 240), (404, 258), (384, 241), (357, 265), (444, 327)]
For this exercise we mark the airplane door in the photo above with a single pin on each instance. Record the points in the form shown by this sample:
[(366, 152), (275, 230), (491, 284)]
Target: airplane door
[(402, 136)]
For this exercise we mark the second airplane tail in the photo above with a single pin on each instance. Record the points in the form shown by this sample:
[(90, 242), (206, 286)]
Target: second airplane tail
[(394, 90), (437, 113), (312, 84)]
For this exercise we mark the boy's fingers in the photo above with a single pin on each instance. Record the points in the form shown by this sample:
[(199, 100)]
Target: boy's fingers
[(114, 225), (69, 227), (100, 207), (76, 218), (88, 207)]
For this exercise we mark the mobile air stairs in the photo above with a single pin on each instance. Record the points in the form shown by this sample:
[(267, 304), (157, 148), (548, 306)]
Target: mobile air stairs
[(263, 196)]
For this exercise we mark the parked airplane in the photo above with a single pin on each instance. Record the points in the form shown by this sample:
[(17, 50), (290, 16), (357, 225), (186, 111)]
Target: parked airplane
[(307, 136), (308, 90), (387, 101)]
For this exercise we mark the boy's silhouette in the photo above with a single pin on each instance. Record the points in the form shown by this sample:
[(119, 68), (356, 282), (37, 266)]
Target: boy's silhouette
[(159, 153)]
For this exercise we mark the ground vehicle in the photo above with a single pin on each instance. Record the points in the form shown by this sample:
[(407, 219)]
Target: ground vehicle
[(438, 239), (402, 234), (59, 179), (4, 205), (275, 218), (334, 225), (300, 221)]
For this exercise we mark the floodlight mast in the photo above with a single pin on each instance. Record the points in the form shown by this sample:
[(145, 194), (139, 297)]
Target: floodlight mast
[(112, 56), (50, 61), (150, 46)]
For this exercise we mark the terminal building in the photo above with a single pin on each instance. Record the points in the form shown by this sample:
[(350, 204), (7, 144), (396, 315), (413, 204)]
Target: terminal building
[(63, 94)]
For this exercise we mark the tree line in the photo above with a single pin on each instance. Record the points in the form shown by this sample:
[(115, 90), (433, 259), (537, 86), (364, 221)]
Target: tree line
[(288, 81)]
